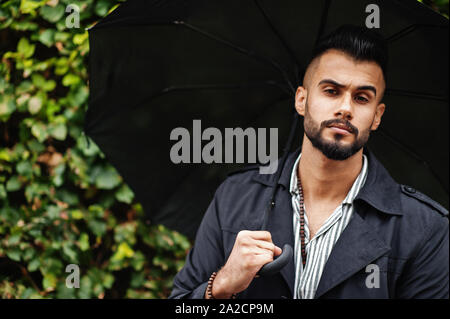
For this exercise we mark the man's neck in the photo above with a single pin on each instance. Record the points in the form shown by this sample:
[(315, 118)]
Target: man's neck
[(324, 179)]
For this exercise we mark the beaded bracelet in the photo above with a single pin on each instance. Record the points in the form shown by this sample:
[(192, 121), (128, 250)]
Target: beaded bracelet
[(209, 288)]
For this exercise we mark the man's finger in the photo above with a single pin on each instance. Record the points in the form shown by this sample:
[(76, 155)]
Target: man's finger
[(266, 245), (260, 235), (277, 251)]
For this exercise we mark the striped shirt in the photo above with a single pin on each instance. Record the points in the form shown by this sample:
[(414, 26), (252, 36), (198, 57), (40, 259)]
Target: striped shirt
[(318, 249)]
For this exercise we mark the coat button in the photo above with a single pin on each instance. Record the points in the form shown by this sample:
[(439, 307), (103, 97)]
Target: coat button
[(410, 190)]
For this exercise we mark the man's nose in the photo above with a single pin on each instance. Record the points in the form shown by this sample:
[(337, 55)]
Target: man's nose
[(345, 109)]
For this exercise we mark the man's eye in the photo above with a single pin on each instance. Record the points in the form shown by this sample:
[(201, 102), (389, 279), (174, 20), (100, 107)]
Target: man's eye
[(331, 91), (361, 99)]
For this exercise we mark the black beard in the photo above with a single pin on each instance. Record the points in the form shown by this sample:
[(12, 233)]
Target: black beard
[(333, 150)]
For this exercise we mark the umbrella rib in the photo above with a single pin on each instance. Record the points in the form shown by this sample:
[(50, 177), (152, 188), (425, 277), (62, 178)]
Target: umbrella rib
[(221, 86), (404, 32), (416, 156), (282, 40), (241, 50), (323, 20), (426, 96)]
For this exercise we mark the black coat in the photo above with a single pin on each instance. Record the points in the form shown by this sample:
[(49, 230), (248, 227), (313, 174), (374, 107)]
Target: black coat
[(399, 229)]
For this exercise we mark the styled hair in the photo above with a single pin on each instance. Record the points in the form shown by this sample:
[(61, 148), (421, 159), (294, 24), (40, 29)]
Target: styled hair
[(361, 43)]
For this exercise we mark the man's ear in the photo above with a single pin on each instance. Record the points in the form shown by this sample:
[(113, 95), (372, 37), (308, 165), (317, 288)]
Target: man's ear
[(300, 100), (378, 114)]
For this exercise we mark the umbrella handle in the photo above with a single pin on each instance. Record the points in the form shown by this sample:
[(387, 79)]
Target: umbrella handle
[(275, 266)]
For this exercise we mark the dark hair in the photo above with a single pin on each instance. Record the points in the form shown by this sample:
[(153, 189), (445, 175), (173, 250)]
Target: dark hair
[(361, 43)]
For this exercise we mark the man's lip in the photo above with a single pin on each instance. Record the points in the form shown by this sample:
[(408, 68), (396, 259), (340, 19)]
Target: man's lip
[(341, 128)]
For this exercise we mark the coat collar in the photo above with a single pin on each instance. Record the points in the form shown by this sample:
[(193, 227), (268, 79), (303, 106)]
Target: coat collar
[(379, 191)]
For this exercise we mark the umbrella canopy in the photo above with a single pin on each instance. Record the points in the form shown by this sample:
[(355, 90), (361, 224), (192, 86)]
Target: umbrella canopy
[(158, 65)]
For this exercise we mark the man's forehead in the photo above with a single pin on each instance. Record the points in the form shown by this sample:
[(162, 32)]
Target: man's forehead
[(343, 68)]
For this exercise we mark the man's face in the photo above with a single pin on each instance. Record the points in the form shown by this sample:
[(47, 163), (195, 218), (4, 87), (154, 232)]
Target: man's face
[(340, 103)]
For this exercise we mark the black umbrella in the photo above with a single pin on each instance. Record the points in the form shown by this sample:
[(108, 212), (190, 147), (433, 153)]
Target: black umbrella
[(158, 65)]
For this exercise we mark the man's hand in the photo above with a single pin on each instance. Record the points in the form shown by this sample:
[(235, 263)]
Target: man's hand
[(251, 251)]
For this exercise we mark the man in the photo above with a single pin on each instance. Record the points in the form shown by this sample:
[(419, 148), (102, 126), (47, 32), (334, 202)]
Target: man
[(356, 233)]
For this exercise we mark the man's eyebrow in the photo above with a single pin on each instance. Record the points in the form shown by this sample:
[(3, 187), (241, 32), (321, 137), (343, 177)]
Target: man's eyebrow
[(329, 81), (368, 87), (362, 87)]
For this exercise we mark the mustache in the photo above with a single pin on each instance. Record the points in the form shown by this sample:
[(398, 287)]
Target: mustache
[(345, 123)]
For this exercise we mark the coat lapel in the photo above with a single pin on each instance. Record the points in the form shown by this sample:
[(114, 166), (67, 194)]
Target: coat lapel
[(356, 248)]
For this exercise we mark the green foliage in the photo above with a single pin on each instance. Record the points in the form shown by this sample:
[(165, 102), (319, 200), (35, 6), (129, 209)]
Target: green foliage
[(61, 202)]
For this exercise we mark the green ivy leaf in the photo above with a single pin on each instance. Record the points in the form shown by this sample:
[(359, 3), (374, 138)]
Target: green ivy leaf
[(39, 130), (58, 131), (49, 281), (138, 261), (58, 172), (69, 251), (62, 37), (47, 37), (123, 251), (29, 6), (78, 39), (24, 25), (137, 279), (97, 227), (14, 239), (82, 144), (80, 95), (2, 192), (124, 194), (49, 85), (14, 254), (38, 80), (84, 242), (52, 14), (35, 104), (34, 264), (7, 107), (85, 290), (25, 86), (107, 178), (24, 47), (35, 146), (77, 214), (70, 79), (102, 7), (24, 168), (67, 196), (13, 184)]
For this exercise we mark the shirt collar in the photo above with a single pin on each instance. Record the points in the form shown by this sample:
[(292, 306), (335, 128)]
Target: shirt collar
[(357, 184), (293, 185), (379, 191)]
